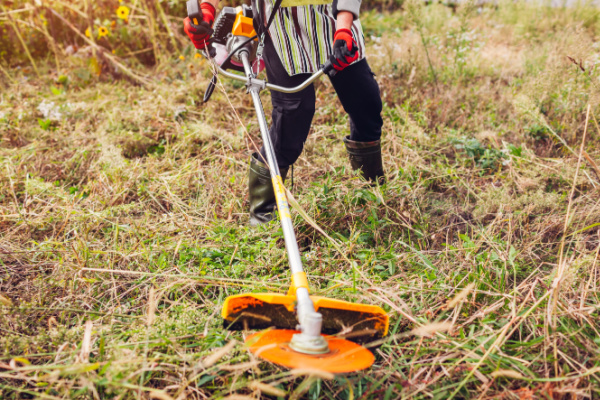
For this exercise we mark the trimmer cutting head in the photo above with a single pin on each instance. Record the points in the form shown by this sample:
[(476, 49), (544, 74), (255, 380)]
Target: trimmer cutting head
[(344, 356), (359, 323)]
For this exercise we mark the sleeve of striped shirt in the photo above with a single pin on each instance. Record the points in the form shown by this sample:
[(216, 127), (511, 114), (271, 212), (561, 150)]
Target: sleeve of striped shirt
[(352, 6)]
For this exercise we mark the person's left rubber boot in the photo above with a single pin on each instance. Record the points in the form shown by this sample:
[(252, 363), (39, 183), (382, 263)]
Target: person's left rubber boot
[(260, 190), (366, 157)]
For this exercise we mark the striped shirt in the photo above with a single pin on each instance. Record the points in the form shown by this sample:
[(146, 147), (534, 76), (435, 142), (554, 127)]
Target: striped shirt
[(303, 36)]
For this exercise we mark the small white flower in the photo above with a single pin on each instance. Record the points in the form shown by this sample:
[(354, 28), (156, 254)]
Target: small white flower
[(49, 110)]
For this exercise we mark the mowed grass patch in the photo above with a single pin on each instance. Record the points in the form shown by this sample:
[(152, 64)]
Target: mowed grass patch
[(123, 220)]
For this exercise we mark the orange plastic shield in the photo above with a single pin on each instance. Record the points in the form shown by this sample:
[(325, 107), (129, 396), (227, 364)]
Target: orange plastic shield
[(360, 323), (343, 357)]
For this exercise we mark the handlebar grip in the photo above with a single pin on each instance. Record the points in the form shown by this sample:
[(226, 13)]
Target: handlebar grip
[(196, 17), (212, 51), (194, 12), (328, 68)]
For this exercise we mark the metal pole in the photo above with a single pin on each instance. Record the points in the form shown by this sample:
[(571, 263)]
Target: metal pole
[(310, 321)]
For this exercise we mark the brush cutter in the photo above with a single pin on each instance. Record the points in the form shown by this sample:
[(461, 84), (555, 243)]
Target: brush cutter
[(310, 331)]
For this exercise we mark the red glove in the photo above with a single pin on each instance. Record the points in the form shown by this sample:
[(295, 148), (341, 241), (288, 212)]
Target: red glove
[(200, 33), (345, 50)]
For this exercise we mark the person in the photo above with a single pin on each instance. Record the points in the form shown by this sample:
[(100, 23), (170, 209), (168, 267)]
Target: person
[(304, 34)]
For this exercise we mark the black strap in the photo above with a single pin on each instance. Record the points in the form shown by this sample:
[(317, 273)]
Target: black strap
[(258, 8), (273, 13)]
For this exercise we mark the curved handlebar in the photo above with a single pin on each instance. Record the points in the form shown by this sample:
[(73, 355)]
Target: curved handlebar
[(298, 88), (327, 68)]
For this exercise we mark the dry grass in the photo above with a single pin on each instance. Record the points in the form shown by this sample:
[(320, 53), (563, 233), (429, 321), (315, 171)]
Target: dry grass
[(123, 220)]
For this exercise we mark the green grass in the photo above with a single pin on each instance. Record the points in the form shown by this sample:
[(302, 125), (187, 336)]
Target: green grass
[(124, 207)]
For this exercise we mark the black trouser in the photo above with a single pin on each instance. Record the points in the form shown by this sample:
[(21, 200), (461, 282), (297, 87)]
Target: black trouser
[(293, 112)]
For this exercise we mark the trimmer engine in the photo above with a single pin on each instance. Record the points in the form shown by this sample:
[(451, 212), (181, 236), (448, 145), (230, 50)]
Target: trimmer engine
[(232, 27), (223, 26), (232, 33)]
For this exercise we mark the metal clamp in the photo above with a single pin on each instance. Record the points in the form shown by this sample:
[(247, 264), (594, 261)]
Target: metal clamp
[(257, 84), (252, 83)]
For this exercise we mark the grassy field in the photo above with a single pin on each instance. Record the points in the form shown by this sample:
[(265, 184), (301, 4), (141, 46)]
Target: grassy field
[(123, 216)]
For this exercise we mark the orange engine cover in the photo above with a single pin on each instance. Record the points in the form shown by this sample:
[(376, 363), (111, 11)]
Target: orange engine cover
[(243, 26)]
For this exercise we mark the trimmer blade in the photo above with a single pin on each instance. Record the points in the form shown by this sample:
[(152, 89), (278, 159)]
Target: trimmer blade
[(344, 356)]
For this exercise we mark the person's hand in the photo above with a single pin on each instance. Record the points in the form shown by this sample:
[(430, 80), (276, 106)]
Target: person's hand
[(345, 50), (200, 32)]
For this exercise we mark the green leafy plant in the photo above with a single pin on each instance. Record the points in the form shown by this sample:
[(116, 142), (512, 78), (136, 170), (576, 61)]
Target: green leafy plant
[(46, 124), (487, 158)]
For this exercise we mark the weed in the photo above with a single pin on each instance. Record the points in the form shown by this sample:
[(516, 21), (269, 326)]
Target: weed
[(487, 158), (46, 124)]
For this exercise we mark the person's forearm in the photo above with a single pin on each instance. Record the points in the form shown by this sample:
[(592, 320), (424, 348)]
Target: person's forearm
[(215, 3), (344, 20)]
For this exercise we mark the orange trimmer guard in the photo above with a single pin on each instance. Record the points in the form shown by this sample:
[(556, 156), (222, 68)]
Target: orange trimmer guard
[(360, 323)]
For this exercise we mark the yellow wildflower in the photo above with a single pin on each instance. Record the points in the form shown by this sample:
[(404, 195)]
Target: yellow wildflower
[(123, 12), (197, 55), (88, 33), (102, 31), (182, 57)]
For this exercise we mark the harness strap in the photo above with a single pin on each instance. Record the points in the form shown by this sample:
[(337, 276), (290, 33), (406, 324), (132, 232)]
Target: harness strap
[(276, 7), (258, 8)]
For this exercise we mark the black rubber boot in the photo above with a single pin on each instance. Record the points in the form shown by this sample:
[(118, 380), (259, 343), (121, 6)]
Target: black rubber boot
[(366, 157), (260, 188)]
